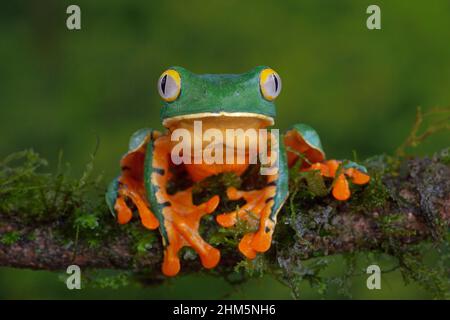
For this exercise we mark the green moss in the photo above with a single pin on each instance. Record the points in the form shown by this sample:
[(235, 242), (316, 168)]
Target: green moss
[(143, 239), (373, 196), (37, 196), (85, 220), (10, 238), (231, 236), (392, 226), (78, 206), (145, 242), (31, 236), (255, 268), (106, 279), (443, 156)]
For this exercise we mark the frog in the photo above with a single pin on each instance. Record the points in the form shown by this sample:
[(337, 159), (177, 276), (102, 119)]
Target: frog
[(221, 101)]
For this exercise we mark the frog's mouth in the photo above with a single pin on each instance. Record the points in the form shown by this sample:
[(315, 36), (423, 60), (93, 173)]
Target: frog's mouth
[(220, 125), (221, 119)]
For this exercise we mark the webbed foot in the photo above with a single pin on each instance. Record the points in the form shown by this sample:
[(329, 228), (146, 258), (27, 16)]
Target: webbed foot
[(330, 169), (182, 220), (256, 213)]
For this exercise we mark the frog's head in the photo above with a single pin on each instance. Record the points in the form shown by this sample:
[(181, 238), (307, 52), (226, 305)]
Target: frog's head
[(224, 100)]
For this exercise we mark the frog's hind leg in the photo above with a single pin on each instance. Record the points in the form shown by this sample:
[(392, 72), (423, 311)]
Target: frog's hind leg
[(303, 141), (179, 217)]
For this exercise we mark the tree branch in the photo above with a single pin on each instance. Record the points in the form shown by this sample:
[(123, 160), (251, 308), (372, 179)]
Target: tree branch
[(415, 206)]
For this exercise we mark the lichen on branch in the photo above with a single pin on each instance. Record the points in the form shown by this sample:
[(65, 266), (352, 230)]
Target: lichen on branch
[(49, 221)]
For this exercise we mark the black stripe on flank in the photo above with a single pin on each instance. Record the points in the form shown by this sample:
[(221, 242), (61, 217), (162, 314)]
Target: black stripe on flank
[(165, 204), (269, 199), (125, 168), (272, 184), (159, 171)]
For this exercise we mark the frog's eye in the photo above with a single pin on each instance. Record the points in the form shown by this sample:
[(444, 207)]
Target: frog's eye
[(270, 83), (169, 85)]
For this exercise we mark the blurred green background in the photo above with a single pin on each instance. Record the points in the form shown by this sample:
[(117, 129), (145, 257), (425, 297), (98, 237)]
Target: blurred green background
[(358, 88)]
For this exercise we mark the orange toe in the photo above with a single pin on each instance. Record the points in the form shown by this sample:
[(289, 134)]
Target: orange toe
[(233, 193), (124, 213), (211, 258), (357, 176), (333, 166), (261, 241), (171, 264), (212, 204), (341, 190), (245, 246), (148, 219), (324, 169), (227, 220)]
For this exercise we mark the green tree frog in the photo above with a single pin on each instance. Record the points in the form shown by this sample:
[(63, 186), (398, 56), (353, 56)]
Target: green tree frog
[(220, 102)]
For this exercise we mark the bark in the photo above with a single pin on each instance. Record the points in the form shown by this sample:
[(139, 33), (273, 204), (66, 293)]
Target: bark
[(419, 198)]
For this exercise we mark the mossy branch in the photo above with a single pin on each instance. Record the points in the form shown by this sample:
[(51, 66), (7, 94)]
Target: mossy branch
[(50, 221)]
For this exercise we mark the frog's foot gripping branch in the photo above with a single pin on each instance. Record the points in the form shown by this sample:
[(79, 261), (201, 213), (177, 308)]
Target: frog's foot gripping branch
[(182, 220), (302, 140), (257, 214), (330, 169)]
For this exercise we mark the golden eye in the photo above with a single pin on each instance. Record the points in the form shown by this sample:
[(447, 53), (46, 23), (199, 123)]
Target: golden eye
[(270, 84), (169, 85)]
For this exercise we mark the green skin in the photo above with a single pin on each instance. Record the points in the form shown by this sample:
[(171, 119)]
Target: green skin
[(216, 94)]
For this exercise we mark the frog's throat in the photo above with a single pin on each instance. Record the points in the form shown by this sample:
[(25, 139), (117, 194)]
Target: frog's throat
[(169, 121)]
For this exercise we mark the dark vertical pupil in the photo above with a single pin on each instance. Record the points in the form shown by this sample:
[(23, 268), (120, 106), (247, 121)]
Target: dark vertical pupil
[(163, 84), (276, 82)]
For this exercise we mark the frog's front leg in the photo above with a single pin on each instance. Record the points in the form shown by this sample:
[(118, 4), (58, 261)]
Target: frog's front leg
[(127, 190), (303, 141), (260, 211), (179, 218)]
